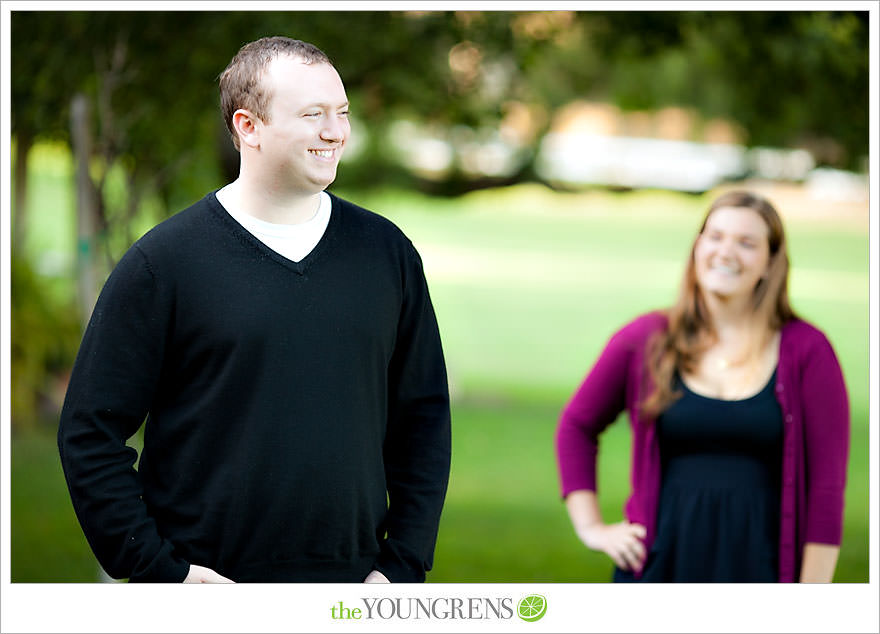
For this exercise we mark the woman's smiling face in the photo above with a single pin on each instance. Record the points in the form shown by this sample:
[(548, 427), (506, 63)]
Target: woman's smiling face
[(732, 253)]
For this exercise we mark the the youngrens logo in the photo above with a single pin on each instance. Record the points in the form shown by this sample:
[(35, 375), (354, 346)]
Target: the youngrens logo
[(530, 608)]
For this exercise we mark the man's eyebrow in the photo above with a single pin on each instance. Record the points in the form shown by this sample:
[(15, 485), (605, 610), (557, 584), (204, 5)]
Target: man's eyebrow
[(344, 104)]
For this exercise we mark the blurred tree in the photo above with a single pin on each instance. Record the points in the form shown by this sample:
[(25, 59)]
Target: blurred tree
[(788, 77), (43, 343), (149, 127), (43, 79)]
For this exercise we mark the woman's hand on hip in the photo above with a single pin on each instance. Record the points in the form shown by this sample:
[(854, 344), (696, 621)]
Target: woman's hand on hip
[(622, 542)]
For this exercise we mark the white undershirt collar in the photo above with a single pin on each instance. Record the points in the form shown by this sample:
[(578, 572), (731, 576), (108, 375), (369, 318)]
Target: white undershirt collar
[(295, 241)]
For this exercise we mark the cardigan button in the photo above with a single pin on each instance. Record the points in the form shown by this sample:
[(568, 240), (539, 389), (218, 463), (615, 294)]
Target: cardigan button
[(779, 387), (789, 418)]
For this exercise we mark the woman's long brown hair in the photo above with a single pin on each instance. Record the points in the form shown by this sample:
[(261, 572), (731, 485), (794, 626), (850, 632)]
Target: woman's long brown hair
[(690, 331)]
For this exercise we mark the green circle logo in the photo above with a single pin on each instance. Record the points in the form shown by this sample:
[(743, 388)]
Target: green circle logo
[(532, 607)]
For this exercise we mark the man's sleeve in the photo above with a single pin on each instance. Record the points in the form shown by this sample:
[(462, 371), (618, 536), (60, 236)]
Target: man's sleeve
[(418, 440), (110, 392)]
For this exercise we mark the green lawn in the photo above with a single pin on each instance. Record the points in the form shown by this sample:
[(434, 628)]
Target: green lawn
[(47, 543), (527, 285)]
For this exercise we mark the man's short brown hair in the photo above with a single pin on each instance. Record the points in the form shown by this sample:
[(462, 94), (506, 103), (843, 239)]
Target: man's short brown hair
[(241, 83)]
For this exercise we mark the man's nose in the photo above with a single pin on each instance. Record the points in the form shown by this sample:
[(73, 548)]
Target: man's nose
[(332, 130)]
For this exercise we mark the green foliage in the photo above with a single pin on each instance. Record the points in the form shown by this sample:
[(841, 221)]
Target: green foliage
[(44, 339), (788, 77)]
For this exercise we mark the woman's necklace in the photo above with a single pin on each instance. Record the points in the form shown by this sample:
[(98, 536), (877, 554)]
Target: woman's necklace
[(726, 362), (733, 371)]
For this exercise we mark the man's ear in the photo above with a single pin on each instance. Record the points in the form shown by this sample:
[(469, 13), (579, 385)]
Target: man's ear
[(247, 126)]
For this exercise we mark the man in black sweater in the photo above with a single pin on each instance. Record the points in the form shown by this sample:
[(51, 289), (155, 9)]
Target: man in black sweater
[(282, 346)]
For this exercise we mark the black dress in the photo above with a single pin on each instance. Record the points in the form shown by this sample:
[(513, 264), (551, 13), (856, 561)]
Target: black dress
[(718, 518)]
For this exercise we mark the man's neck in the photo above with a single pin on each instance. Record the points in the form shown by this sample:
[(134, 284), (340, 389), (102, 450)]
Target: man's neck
[(240, 196)]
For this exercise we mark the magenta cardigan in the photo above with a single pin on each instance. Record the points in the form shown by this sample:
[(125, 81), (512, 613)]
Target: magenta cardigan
[(811, 393)]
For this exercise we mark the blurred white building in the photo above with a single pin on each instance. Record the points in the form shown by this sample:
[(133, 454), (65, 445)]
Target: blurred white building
[(597, 144), (590, 159)]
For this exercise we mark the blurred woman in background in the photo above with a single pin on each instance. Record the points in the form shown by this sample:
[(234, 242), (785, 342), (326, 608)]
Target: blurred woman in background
[(739, 417)]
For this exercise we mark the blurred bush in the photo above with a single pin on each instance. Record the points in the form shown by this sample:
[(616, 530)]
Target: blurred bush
[(44, 339)]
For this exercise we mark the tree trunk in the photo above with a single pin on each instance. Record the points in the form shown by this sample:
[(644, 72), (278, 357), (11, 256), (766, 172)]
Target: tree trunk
[(24, 140), (86, 207)]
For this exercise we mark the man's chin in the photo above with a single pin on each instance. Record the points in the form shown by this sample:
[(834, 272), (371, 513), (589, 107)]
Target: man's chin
[(326, 182)]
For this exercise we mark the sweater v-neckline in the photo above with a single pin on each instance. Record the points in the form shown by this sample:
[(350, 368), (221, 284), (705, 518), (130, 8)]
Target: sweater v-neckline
[(304, 264)]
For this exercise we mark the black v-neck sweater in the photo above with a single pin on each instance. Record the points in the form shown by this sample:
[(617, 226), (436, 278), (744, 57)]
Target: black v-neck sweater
[(297, 414)]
